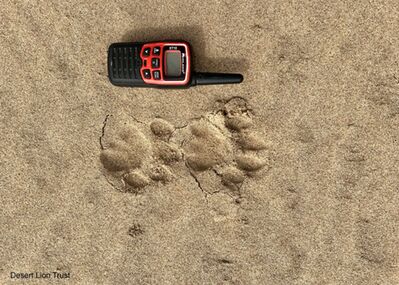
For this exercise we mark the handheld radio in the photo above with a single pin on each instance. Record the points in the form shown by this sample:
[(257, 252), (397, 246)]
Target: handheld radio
[(166, 64)]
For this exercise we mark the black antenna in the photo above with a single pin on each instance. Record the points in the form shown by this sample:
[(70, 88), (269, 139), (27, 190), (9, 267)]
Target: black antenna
[(200, 78)]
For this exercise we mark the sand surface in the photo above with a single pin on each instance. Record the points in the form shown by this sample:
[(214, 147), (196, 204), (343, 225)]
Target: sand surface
[(291, 177)]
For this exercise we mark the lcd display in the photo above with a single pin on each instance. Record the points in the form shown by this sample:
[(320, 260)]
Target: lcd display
[(173, 63)]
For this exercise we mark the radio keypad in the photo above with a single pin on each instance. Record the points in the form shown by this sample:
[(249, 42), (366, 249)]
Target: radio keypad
[(156, 74), (147, 51), (155, 62), (156, 51), (147, 73)]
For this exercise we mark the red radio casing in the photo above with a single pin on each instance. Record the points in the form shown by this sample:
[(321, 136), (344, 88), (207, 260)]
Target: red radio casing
[(148, 58)]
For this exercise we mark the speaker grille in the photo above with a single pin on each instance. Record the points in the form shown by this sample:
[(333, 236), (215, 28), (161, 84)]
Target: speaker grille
[(122, 62)]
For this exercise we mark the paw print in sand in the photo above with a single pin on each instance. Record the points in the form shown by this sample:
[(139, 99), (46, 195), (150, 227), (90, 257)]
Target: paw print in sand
[(226, 143), (133, 160), (222, 143)]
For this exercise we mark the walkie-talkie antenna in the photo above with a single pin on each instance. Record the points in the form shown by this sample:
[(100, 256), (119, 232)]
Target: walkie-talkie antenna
[(206, 78)]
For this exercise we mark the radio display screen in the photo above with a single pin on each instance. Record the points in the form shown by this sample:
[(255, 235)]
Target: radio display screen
[(173, 63)]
